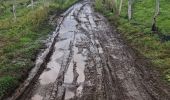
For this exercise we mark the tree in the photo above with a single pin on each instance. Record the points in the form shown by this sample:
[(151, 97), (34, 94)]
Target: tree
[(157, 11)]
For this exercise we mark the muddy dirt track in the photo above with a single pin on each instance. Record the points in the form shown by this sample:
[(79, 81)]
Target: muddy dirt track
[(89, 61)]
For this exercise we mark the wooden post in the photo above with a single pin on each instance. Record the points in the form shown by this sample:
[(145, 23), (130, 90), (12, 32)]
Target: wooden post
[(129, 9), (157, 11), (14, 10), (120, 6)]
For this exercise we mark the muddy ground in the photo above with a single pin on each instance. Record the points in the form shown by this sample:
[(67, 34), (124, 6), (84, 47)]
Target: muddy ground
[(87, 59)]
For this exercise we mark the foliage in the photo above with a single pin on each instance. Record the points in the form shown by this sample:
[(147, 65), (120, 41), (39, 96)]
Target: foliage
[(99, 5)]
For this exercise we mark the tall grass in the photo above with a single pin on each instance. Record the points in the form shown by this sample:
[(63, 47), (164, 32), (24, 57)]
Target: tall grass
[(99, 5)]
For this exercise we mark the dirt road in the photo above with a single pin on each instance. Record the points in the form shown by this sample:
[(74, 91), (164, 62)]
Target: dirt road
[(89, 61)]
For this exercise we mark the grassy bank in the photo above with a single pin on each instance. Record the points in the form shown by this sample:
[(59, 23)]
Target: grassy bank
[(138, 30), (20, 40)]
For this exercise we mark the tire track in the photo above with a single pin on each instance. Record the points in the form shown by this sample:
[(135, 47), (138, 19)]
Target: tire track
[(90, 61)]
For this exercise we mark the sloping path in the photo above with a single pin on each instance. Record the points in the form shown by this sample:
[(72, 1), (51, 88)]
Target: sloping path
[(91, 62)]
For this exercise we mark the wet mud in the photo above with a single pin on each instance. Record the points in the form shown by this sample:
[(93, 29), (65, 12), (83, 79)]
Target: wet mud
[(87, 60)]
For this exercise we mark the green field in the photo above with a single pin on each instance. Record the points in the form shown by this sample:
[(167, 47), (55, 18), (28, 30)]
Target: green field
[(138, 30), (20, 40)]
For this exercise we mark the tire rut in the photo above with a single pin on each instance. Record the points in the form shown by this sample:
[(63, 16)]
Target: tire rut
[(88, 60)]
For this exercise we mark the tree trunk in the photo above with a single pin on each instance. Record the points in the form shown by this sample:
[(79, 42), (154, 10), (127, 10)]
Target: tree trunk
[(157, 11), (120, 6), (129, 9)]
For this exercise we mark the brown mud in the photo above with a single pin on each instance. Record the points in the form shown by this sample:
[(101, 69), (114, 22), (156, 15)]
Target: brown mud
[(87, 60)]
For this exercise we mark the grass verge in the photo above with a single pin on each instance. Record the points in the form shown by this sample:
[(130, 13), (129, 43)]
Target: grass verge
[(138, 31), (21, 40)]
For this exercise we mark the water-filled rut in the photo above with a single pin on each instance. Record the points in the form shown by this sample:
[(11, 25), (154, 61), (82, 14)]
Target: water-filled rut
[(90, 61)]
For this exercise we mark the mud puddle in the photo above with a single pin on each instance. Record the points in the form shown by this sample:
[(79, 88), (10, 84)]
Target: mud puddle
[(89, 61)]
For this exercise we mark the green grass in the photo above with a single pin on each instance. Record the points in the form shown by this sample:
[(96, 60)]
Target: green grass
[(7, 83), (21, 40), (138, 31)]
